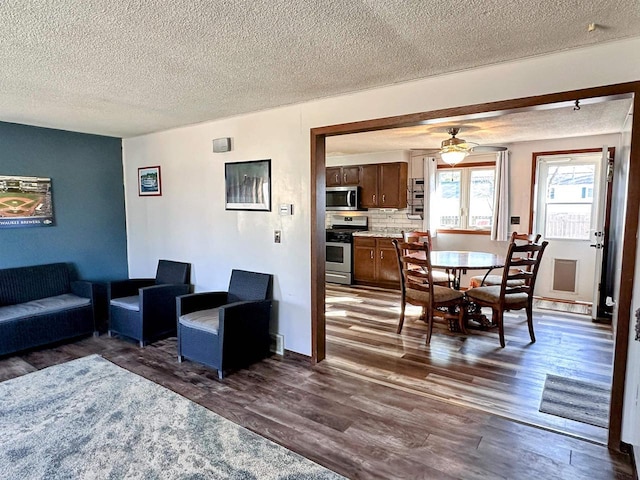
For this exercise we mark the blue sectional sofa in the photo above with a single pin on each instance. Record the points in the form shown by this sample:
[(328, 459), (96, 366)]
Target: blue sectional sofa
[(40, 305)]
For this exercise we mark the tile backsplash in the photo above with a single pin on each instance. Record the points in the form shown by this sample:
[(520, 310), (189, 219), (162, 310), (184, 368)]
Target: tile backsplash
[(383, 220)]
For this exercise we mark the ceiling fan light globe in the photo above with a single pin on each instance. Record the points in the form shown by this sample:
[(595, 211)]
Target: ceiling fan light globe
[(452, 157)]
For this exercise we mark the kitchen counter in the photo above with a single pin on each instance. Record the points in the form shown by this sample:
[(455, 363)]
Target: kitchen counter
[(379, 233)]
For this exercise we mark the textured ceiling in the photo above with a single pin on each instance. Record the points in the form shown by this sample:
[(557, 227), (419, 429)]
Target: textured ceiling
[(130, 67), (561, 122)]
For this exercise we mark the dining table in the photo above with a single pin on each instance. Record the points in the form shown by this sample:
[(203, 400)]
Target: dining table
[(457, 262)]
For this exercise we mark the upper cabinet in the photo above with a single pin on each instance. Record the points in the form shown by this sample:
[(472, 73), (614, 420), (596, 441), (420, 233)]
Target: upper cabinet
[(338, 176), (384, 185)]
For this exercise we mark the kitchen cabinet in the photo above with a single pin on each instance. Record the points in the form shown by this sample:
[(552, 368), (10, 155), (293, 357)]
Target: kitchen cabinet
[(375, 262), (384, 185), (339, 176)]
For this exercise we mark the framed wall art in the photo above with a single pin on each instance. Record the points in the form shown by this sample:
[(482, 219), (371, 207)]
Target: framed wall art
[(25, 202), (248, 185), (149, 181)]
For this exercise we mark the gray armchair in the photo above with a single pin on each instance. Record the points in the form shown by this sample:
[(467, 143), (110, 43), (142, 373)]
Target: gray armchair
[(227, 330), (143, 308)]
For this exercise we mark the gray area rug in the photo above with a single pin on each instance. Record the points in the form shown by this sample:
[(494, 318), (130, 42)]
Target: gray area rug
[(579, 400), (90, 419)]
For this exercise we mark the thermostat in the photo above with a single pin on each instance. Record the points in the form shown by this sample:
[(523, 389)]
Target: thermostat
[(286, 209)]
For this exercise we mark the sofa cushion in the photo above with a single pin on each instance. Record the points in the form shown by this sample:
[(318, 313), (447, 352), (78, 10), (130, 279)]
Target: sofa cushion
[(129, 303), (42, 306), (207, 320)]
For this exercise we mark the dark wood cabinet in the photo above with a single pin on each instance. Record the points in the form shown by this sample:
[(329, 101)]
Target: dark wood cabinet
[(369, 186), (375, 262), (388, 271), (384, 185), (364, 259), (339, 176), (334, 177)]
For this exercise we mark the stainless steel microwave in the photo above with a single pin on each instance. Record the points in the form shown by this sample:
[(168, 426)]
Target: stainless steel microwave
[(343, 198)]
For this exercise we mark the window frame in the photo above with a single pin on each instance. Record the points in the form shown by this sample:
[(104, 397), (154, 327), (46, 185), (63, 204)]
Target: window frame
[(465, 191)]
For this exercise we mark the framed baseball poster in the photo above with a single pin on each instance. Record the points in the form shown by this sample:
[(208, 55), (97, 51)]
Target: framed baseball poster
[(25, 202)]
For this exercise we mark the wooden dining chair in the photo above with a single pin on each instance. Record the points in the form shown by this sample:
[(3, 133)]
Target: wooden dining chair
[(521, 264), (439, 277), (489, 280), (418, 287)]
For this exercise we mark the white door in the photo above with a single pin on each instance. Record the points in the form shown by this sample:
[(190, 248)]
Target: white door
[(569, 211)]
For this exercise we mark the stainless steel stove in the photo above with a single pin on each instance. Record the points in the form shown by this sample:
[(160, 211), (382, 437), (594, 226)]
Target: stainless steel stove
[(339, 249)]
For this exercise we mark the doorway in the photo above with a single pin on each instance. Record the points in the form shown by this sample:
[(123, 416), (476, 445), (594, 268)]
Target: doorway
[(571, 208), (628, 245)]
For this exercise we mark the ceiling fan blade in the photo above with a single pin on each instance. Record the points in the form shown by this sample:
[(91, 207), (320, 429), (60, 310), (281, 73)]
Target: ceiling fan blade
[(488, 149)]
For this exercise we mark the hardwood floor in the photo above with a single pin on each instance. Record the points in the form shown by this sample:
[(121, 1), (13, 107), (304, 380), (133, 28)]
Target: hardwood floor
[(350, 423), (471, 370)]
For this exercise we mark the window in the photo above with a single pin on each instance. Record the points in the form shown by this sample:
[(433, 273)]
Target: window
[(465, 198), (568, 214)]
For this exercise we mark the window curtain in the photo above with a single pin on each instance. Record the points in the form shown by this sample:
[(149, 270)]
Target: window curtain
[(500, 227), (429, 215)]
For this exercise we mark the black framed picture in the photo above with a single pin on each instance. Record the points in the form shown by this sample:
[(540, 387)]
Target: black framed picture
[(248, 185)]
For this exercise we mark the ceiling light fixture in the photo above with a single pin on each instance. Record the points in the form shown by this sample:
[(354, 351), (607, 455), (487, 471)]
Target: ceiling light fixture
[(453, 150)]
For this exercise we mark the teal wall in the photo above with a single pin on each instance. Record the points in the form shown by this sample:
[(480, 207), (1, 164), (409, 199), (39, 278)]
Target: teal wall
[(88, 201)]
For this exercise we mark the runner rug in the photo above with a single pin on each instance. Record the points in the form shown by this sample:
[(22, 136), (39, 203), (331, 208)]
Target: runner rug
[(579, 400), (92, 419)]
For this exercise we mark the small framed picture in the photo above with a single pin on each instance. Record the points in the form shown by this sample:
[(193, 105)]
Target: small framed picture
[(248, 185), (149, 182)]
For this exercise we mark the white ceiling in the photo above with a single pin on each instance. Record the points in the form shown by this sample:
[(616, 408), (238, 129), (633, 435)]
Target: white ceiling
[(125, 68)]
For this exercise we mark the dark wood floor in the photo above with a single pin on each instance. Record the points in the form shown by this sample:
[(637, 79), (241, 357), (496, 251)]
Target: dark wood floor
[(469, 370), (350, 424)]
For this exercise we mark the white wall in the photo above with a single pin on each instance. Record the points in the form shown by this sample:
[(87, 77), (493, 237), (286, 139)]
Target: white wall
[(188, 222)]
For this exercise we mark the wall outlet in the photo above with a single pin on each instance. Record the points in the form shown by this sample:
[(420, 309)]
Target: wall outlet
[(277, 236), (277, 343)]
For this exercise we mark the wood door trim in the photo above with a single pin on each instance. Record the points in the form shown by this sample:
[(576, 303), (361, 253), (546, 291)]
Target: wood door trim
[(629, 246), (621, 90)]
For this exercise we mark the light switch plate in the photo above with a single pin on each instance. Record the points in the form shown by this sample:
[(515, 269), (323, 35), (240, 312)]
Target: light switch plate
[(277, 236)]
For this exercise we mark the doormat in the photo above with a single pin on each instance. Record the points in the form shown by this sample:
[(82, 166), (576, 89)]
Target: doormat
[(568, 307), (578, 400)]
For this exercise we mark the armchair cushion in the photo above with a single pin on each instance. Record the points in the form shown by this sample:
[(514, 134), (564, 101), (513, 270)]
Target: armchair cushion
[(207, 320), (130, 303)]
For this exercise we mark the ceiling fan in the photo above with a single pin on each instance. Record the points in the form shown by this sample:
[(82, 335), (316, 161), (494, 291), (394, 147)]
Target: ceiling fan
[(453, 150)]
